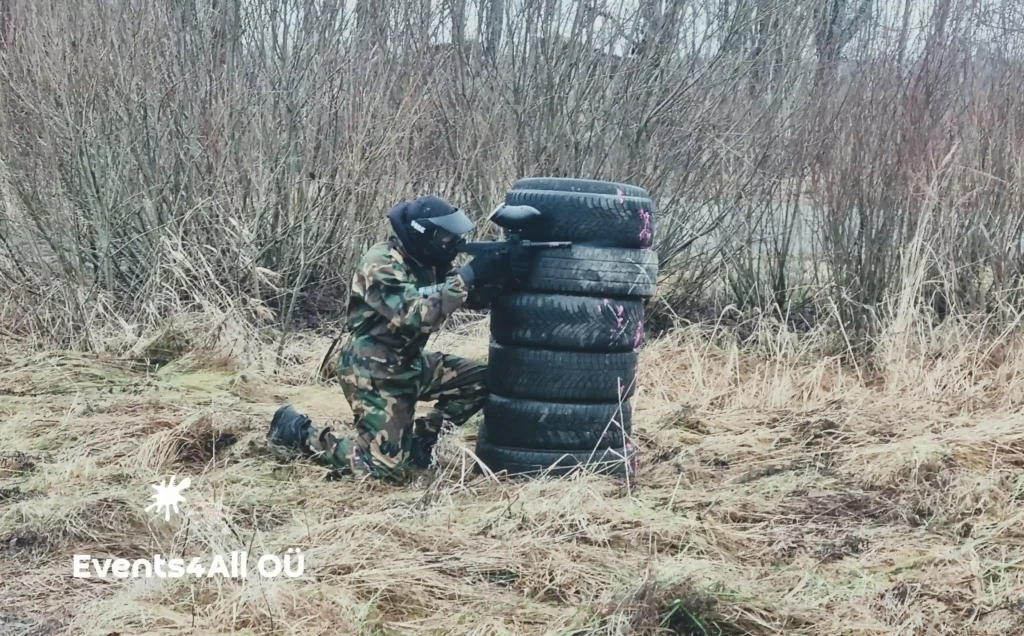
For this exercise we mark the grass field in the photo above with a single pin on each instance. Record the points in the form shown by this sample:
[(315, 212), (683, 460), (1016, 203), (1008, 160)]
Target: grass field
[(778, 492)]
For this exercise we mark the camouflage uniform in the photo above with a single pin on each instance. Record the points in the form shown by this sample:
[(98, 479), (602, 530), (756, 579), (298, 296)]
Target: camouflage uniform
[(395, 304)]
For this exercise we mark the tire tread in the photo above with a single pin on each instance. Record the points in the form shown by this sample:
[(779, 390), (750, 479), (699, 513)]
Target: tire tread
[(562, 322), (556, 462), (561, 376), (556, 425), (593, 271)]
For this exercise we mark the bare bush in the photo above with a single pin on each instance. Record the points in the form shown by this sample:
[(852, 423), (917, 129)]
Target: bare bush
[(160, 158)]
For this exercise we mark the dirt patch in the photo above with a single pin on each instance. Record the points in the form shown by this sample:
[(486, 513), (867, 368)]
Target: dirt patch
[(26, 541), (15, 464)]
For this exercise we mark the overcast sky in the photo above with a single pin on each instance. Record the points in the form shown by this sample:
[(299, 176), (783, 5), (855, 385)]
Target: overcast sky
[(888, 15)]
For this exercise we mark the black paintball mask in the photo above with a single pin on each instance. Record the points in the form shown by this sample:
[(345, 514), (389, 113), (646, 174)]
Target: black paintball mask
[(429, 229)]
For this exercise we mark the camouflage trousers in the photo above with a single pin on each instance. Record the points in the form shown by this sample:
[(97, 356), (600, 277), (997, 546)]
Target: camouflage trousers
[(385, 409)]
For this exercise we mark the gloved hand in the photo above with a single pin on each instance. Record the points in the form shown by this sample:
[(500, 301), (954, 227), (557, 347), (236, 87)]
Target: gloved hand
[(485, 269)]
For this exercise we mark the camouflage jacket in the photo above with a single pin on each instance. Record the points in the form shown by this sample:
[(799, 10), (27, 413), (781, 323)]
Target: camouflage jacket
[(395, 303)]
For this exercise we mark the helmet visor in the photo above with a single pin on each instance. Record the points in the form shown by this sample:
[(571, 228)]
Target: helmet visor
[(456, 222)]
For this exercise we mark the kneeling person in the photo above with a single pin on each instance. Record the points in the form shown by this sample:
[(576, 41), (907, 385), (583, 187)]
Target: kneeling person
[(402, 292)]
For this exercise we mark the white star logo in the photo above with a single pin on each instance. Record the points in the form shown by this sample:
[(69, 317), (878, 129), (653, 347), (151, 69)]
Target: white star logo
[(168, 496)]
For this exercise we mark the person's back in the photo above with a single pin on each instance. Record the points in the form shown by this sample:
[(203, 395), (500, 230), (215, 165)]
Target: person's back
[(390, 343)]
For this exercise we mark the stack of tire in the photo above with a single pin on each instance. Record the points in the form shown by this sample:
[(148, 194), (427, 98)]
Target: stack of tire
[(564, 340)]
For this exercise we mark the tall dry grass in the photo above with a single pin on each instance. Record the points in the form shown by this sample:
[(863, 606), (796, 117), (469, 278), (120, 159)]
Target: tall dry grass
[(780, 491), (160, 159)]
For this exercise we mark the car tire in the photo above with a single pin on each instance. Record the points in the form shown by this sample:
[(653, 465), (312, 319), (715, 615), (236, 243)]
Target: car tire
[(605, 272), (557, 425), (569, 323), (561, 376), (586, 186), (557, 463), (604, 220)]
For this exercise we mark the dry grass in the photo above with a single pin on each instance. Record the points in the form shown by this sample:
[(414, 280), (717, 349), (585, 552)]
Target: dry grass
[(778, 493)]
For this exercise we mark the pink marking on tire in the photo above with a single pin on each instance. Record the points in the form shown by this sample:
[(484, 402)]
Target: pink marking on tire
[(620, 319), (646, 234), (619, 312)]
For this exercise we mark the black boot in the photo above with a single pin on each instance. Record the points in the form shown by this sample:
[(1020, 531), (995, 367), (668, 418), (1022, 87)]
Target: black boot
[(424, 439), (421, 451), (289, 427)]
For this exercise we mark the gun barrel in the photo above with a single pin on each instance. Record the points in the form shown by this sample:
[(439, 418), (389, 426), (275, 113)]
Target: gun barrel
[(547, 244), (480, 247)]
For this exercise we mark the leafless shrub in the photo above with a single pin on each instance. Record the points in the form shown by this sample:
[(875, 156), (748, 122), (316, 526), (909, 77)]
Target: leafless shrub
[(233, 156)]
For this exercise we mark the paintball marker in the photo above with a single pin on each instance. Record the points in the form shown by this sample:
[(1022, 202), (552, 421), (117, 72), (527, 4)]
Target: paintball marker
[(513, 219)]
